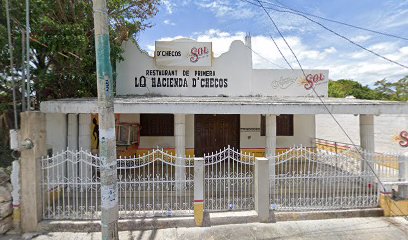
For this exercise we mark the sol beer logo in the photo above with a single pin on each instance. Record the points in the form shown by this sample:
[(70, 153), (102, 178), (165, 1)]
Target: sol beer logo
[(402, 139), (312, 80), (197, 53)]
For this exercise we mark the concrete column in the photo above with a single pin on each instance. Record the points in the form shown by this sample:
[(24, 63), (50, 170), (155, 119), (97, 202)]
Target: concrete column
[(262, 189), (57, 131), (72, 142), (270, 137), (84, 143), (72, 131), (180, 142), (56, 124), (33, 128), (199, 191), (403, 175), (366, 137)]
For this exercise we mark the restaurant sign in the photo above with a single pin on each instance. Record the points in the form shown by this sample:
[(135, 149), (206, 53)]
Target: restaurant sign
[(183, 54)]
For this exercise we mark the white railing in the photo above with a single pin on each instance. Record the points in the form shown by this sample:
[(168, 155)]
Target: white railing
[(309, 179), (160, 184), (229, 180), (156, 184), (71, 186)]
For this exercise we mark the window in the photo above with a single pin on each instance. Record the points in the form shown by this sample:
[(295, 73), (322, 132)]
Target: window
[(157, 125), (284, 125), (127, 134)]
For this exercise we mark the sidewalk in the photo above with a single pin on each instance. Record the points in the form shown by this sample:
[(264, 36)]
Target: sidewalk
[(346, 228)]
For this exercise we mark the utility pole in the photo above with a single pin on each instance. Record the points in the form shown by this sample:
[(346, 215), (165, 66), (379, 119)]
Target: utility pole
[(107, 138), (23, 84), (11, 64), (28, 54)]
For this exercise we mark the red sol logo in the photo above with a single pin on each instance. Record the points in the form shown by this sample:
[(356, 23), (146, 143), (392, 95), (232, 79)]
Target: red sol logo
[(197, 53), (402, 139), (312, 79)]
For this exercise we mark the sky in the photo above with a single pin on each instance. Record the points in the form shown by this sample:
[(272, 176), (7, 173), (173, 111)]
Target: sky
[(222, 21)]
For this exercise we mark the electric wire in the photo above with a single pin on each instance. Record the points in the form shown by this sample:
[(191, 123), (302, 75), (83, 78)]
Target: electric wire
[(338, 22), (332, 31), (328, 110), (329, 20), (280, 52), (259, 55)]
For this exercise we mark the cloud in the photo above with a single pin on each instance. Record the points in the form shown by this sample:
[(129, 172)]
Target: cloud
[(169, 22), (358, 65), (227, 9), (169, 6), (360, 38)]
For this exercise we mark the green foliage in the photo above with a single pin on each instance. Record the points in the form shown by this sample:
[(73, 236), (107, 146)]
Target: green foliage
[(384, 90), (63, 45)]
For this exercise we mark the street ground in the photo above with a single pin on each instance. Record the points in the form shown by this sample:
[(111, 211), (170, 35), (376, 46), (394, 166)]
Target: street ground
[(345, 228)]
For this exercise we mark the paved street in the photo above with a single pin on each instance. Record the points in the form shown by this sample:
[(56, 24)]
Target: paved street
[(347, 228)]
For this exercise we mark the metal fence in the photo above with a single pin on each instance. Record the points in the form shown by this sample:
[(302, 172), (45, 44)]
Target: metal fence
[(316, 180), (160, 184), (229, 181), (156, 184)]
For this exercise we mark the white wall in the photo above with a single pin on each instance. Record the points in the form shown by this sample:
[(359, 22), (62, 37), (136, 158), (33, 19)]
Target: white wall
[(234, 65), (386, 128), (304, 131), (56, 131)]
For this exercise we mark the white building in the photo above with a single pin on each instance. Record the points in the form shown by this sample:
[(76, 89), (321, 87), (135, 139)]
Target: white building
[(190, 103)]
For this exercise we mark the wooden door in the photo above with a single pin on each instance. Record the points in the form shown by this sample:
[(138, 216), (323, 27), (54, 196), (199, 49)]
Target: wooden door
[(214, 132)]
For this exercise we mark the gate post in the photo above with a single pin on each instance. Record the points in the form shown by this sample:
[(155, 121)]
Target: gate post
[(199, 191), (403, 175), (262, 188), (32, 130)]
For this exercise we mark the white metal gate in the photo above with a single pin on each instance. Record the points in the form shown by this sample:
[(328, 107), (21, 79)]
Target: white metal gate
[(156, 184), (229, 181), (309, 179)]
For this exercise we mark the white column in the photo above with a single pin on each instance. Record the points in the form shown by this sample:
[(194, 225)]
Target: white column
[(262, 189), (199, 191), (403, 175), (57, 139), (57, 131), (367, 132), (84, 143), (270, 137), (180, 142), (72, 142), (366, 137)]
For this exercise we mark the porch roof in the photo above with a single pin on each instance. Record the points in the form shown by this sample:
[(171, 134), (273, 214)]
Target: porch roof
[(229, 105)]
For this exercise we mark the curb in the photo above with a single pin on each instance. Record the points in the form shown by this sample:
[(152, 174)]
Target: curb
[(210, 219)]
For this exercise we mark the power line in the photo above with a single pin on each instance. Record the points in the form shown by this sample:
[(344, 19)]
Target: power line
[(332, 31), (281, 52), (328, 110), (259, 55), (331, 20), (276, 27)]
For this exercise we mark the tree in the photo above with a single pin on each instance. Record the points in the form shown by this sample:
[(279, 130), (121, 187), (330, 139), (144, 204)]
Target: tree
[(62, 46), (384, 90), (397, 91), (344, 87), (62, 42)]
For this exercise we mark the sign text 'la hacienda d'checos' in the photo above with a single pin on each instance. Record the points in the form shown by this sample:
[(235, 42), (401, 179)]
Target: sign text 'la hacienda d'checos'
[(188, 68)]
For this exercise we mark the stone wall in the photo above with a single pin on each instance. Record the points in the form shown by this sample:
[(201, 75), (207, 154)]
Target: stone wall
[(6, 208)]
